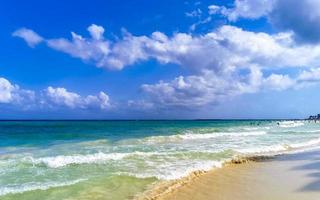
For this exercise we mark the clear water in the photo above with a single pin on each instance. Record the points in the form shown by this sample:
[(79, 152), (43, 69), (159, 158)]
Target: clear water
[(119, 159)]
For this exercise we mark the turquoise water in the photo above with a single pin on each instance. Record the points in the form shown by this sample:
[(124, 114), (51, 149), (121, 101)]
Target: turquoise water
[(119, 159)]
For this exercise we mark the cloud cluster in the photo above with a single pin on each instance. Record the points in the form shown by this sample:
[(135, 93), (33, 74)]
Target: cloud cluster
[(31, 37), (300, 17), (50, 98), (197, 90), (10, 93), (251, 9), (222, 49), (62, 97), (224, 62)]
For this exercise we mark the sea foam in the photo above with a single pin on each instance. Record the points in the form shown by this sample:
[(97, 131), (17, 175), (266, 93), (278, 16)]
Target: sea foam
[(172, 172), (96, 158), (62, 160), (220, 134), (290, 124), (190, 135), (280, 148), (14, 189)]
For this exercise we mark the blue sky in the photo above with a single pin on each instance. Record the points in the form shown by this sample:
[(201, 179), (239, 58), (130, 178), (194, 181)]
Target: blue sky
[(159, 59)]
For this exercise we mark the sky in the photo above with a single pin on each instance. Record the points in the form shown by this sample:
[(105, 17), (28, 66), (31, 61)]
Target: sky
[(147, 59)]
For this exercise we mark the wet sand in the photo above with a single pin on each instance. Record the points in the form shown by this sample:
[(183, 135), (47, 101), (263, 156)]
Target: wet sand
[(286, 177)]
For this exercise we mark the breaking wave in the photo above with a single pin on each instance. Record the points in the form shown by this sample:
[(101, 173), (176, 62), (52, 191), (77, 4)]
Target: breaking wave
[(172, 174), (199, 136), (14, 189), (290, 124), (96, 158)]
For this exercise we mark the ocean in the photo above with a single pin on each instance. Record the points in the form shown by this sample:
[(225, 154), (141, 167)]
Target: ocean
[(59, 160)]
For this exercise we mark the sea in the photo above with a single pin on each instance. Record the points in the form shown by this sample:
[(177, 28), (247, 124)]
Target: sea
[(58, 160)]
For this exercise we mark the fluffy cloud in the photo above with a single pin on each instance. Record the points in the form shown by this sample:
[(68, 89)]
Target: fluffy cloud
[(10, 93), (302, 17), (214, 9), (51, 97), (252, 9), (96, 32), (279, 82), (222, 49), (224, 62), (313, 75), (62, 97), (207, 88), (91, 50), (6, 90), (31, 38), (283, 14), (195, 13)]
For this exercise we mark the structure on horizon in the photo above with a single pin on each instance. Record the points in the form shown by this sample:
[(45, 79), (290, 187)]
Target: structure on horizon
[(314, 117)]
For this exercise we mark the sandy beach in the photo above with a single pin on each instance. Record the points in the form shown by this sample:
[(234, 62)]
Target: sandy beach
[(285, 177)]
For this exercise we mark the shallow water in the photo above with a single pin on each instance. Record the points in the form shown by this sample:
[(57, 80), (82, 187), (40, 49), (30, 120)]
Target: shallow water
[(119, 159)]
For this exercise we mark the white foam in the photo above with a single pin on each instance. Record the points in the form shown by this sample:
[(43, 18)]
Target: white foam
[(221, 134), (98, 158), (197, 136), (281, 147), (13, 189), (290, 124), (306, 144), (265, 149), (61, 161), (169, 171)]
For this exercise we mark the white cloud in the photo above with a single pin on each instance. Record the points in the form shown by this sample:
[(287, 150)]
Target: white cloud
[(12, 94), (203, 89), (279, 82), (300, 17), (214, 9), (62, 97), (225, 48), (195, 13), (6, 90), (199, 90), (252, 9), (313, 75), (85, 49), (96, 31), (224, 62), (208, 88), (101, 100), (31, 38)]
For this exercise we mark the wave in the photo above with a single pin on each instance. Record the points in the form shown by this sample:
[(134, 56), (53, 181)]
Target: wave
[(265, 149), (61, 161), (198, 136), (220, 134), (14, 189), (96, 158), (102, 158), (174, 174), (281, 148), (309, 143), (290, 124)]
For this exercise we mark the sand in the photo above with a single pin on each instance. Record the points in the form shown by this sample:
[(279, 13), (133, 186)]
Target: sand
[(286, 177)]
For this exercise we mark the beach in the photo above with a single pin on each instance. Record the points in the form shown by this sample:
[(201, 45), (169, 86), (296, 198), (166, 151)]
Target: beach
[(186, 159), (284, 177)]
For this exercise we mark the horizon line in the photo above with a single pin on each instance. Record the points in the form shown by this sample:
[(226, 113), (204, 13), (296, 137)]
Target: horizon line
[(160, 119)]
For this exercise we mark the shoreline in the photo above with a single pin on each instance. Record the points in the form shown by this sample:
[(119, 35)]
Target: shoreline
[(245, 178)]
